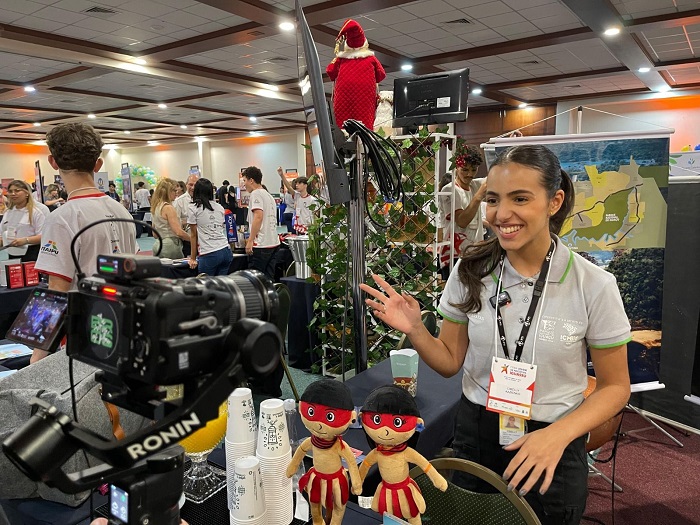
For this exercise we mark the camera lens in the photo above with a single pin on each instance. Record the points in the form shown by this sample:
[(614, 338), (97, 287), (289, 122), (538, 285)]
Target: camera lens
[(253, 294), (40, 445)]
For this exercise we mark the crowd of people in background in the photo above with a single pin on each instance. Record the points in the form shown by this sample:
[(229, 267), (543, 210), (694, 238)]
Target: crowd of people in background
[(190, 222)]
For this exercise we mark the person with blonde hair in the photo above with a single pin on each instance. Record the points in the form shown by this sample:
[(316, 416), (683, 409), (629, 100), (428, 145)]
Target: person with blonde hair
[(53, 199), (22, 223), (166, 221)]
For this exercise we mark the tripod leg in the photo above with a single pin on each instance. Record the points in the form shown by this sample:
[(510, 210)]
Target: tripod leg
[(649, 420), (593, 471), (289, 377)]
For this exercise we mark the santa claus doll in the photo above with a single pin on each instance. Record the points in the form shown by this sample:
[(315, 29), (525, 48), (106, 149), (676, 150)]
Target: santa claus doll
[(356, 73)]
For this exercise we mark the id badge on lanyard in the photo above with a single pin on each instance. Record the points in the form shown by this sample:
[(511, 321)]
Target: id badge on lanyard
[(511, 387), (512, 383)]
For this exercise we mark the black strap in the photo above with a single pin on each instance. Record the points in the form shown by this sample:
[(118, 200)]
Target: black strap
[(536, 294)]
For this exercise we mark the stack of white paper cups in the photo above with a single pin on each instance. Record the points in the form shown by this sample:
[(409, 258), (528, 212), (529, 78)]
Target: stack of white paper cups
[(241, 432), (247, 507), (275, 453)]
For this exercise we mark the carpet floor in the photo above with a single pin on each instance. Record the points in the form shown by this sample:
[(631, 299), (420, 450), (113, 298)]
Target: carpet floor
[(659, 479)]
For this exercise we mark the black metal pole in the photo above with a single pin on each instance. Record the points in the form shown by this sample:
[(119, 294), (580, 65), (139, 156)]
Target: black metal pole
[(357, 247)]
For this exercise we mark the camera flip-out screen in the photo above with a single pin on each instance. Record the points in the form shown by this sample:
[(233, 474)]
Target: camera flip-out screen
[(40, 323)]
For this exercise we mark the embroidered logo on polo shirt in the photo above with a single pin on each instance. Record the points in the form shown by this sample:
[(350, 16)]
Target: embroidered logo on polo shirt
[(50, 248), (570, 330), (546, 332)]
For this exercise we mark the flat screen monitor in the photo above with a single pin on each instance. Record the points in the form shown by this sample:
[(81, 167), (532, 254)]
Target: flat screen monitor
[(40, 323), (335, 185), (437, 98)]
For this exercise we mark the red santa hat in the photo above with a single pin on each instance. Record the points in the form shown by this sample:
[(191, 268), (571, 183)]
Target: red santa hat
[(352, 33)]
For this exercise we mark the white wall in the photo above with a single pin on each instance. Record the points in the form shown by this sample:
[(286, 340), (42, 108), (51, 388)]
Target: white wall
[(267, 153), (642, 113), (171, 161), (219, 160)]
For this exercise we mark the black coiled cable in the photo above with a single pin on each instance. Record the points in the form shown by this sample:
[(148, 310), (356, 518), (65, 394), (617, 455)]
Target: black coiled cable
[(387, 167)]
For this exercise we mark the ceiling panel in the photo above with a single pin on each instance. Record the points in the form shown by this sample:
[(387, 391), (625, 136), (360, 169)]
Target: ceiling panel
[(64, 101), (631, 9), (133, 25), (130, 84), (686, 75), (246, 104), (413, 29), (174, 115), (26, 114), (22, 68), (581, 87)]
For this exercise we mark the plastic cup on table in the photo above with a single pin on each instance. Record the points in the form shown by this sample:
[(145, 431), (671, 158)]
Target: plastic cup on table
[(273, 435), (248, 502), (242, 423)]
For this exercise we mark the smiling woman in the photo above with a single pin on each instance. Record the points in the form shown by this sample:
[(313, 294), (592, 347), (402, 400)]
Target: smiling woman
[(569, 303), (22, 223)]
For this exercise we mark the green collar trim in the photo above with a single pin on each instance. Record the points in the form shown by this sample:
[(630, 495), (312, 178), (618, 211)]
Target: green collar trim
[(568, 266)]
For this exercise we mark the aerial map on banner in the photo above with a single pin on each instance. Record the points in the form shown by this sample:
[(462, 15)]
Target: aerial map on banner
[(620, 193)]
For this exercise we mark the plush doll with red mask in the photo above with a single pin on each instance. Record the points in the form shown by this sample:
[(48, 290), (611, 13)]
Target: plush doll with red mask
[(390, 417), (327, 410), (356, 73)]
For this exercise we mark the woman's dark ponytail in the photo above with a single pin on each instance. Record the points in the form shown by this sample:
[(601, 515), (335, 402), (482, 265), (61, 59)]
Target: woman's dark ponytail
[(556, 221)]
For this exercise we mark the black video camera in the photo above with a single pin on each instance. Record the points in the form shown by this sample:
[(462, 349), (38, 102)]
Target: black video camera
[(142, 330)]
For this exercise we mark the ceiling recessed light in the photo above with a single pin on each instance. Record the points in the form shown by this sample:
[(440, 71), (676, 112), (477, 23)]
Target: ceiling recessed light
[(406, 67), (477, 91), (644, 69), (286, 26), (162, 106), (127, 132), (183, 126), (29, 89), (37, 124), (140, 61), (152, 143), (40, 143), (664, 89), (522, 105), (271, 87), (612, 31), (253, 119), (91, 115)]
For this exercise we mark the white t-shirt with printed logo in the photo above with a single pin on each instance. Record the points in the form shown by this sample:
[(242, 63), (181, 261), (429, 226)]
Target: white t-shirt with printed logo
[(211, 227), (15, 225), (580, 307), (304, 216), (267, 237), (103, 239)]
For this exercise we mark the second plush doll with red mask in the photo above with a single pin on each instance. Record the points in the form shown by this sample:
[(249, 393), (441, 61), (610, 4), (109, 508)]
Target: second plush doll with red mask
[(390, 417), (327, 410), (356, 73)]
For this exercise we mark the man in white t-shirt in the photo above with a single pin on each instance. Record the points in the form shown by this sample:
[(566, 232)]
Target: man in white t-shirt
[(466, 227), (142, 196), (75, 152), (302, 201), (263, 242), (182, 205)]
